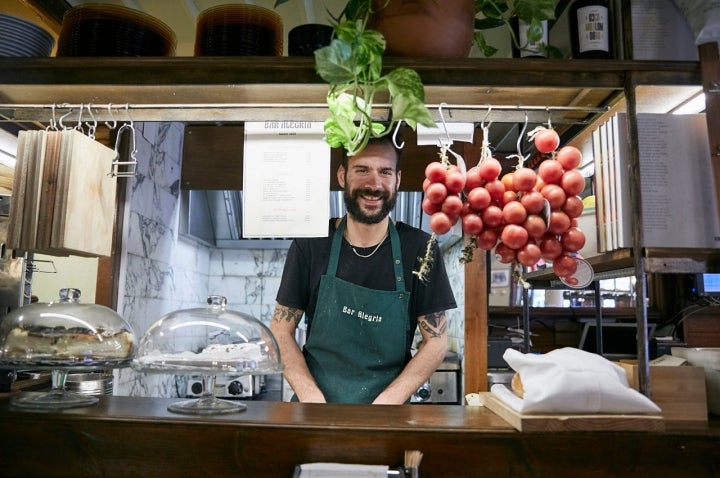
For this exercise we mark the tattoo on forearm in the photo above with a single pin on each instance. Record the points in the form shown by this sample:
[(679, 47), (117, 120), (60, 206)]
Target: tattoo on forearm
[(434, 324), (287, 314)]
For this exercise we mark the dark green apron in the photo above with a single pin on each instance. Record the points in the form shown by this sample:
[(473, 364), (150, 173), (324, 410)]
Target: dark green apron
[(356, 343)]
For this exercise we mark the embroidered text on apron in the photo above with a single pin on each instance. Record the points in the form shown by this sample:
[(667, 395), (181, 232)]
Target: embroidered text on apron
[(356, 345)]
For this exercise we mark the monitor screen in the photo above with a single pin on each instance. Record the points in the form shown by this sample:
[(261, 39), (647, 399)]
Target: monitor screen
[(708, 285), (619, 339)]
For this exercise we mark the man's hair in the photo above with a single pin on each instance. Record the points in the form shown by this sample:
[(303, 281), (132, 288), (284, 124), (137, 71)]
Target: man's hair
[(386, 140)]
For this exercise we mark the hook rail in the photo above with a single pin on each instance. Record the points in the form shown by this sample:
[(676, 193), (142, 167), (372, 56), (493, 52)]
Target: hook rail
[(113, 113)]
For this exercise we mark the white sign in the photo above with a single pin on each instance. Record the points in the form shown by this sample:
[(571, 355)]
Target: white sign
[(286, 180)]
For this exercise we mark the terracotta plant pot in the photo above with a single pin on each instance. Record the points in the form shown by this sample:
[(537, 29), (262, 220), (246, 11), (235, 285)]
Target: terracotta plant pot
[(426, 27)]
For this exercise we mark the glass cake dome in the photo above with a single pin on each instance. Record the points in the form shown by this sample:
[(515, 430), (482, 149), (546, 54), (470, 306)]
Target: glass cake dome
[(208, 341), (64, 335)]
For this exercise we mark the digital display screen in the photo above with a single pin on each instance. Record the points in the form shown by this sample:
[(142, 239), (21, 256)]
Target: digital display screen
[(708, 284)]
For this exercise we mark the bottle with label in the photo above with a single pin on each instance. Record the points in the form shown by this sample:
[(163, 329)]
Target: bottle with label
[(590, 29), (528, 49)]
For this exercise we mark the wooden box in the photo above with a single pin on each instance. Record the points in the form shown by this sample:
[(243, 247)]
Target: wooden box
[(678, 390)]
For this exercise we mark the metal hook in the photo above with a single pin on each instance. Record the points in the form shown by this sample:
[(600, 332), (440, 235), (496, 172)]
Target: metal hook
[(110, 114), (395, 135), (53, 122), (127, 110), (549, 122), (521, 135), (482, 123), (60, 120), (92, 127), (78, 126), (442, 118)]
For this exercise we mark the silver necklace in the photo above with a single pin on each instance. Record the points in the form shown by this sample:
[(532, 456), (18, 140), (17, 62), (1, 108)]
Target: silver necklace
[(365, 256)]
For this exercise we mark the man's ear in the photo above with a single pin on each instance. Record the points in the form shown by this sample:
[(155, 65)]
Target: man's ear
[(341, 176), (397, 183)]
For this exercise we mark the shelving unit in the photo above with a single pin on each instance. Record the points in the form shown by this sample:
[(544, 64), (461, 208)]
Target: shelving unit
[(571, 93)]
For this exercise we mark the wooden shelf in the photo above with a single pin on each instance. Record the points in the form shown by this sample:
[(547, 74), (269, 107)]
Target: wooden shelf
[(226, 89)]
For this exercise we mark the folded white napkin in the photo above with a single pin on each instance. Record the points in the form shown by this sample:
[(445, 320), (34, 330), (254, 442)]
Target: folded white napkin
[(570, 380), (341, 470)]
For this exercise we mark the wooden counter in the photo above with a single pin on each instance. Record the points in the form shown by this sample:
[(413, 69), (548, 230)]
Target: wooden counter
[(138, 437)]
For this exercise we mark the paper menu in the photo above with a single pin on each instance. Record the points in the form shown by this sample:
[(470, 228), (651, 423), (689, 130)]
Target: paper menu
[(286, 180)]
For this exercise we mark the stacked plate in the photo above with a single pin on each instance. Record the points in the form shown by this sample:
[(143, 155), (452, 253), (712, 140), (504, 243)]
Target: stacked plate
[(19, 37), (111, 30), (239, 30)]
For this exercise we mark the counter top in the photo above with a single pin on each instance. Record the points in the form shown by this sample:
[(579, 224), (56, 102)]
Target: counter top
[(133, 436)]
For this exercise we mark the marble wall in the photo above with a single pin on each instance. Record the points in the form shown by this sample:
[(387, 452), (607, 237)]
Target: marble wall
[(162, 271)]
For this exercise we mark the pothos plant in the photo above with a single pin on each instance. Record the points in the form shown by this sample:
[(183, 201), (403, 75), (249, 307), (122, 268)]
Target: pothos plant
[(491, 14), (352, 66)]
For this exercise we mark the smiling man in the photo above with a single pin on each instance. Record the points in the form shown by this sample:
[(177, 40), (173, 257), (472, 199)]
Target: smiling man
[(360, 298)]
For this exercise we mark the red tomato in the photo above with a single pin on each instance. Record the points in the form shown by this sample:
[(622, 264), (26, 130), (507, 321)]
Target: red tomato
[(533, 201), (487, 239), (454, 179), (490, 169), (505, 254), (479, 198), (452, 206), (572, 182), (508, 196), (559, 222), (426, 183), (535, 226), (550, 247), (514, 213), (569, 157), (492, 216), (440, 223), (514, 236), (529, 254), (565, 265), (547, 140), (472, 224), (539, 184), (550, 171), (507, 181), (473, 179), (573, 239), (496, 189), (436, 172), (524, 179), (436, 193), (573, 207), (429, 207), (555, 195)]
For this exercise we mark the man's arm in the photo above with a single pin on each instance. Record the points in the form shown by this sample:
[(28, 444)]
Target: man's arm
[(284, 322), (428, 358)]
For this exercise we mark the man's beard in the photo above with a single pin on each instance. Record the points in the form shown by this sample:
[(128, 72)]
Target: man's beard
[(353, 206)]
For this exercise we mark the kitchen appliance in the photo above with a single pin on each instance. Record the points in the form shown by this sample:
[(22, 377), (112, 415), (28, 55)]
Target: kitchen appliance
[(243, 386), (208, 341), (443, 386)]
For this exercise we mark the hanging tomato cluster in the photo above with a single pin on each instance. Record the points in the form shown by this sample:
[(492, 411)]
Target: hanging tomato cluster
[(524, 215)]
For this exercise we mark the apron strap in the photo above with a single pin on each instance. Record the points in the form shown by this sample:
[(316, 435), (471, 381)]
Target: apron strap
[(396, 254)]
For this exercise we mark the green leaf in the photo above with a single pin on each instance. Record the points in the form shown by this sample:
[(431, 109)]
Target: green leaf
[(279, 2), (405, 81), (485, 48), (335, 63), (411, 110), (529, 10)]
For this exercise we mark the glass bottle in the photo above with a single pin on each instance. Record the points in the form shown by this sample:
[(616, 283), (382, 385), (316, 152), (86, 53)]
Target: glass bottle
[(590, 29), (528, 49)]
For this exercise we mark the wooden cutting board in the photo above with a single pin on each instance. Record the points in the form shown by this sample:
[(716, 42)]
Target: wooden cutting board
[(575, 422), (86, 208)]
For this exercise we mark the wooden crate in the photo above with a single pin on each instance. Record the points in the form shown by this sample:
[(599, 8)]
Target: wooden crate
[(679, 391)]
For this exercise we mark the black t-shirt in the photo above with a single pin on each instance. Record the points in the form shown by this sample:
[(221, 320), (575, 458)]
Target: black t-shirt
[(308, 258)]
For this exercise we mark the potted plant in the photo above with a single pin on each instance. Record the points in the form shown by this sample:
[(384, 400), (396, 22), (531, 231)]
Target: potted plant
[(352, 63)]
